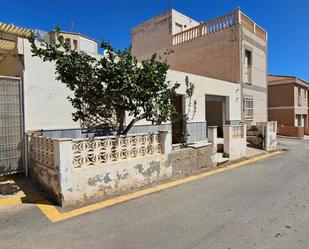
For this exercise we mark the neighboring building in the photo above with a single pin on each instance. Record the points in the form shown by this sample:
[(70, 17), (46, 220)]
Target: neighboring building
[(232, 48), (77, 41), (288, 104)]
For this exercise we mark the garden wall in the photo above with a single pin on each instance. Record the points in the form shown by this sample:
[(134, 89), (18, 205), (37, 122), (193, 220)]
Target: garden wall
[(75, 170), (187, 161), (291, 131)]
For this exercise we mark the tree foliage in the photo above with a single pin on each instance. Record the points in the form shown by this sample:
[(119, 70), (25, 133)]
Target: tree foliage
[(107, 88), (189, 113)]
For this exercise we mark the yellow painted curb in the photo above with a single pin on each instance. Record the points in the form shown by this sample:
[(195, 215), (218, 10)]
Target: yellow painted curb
[(11, 200), (54, 215)]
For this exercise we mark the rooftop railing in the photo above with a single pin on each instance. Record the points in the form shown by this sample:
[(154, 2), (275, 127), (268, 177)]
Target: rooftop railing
[(220, 23)]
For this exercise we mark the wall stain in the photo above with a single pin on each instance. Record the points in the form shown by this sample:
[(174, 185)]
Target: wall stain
[(155, 166)]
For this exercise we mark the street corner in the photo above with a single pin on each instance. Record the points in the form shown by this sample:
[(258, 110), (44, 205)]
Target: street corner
[(17, 190)]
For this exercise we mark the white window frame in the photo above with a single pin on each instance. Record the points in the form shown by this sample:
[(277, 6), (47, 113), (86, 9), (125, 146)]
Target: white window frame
[(248, 108)]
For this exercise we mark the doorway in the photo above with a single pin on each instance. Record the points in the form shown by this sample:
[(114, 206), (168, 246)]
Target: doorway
[(215, 112), (178, 124)]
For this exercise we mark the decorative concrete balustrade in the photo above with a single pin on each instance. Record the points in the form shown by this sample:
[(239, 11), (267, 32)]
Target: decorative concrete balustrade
[(215, 25), (72, 170), (103, 150)]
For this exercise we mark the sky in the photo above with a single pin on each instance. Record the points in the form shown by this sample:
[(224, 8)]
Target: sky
[(286, 21)]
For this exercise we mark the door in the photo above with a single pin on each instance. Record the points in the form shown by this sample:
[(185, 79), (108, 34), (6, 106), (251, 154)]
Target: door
[(178, 123), (10, 126), (215, 112)]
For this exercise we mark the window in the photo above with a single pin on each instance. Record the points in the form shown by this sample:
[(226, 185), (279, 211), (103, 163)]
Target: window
[(301, 97), (248, 108), (299, 120), (247, 66), (74, 44)]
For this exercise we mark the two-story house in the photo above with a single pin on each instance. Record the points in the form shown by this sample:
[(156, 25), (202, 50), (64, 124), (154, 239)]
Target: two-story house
[(232, 48), (288, 104)]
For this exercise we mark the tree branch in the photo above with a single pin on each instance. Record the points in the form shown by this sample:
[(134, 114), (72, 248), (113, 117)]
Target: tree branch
[(133, 121)]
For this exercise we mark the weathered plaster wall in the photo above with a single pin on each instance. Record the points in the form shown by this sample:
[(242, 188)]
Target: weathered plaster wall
[(114, 178), (47, 178), (54, 167)]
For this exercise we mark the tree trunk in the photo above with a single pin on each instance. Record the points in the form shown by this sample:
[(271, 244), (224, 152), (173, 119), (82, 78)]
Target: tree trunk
[(133, 121), (120, 114)]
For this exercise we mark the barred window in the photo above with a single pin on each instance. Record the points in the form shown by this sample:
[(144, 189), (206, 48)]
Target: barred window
[(248, 108)]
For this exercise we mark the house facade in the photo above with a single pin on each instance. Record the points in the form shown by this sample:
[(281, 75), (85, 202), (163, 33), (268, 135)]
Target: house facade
[(232, 48), (288, 104), (38, 102)]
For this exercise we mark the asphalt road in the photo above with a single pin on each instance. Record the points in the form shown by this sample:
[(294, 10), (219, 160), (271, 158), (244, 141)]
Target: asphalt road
[(262, 205)]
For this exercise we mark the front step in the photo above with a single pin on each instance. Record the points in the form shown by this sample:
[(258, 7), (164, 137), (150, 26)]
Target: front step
[(220, 159)]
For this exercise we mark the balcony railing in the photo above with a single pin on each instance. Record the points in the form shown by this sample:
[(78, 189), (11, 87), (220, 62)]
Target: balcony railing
[(215, 25)]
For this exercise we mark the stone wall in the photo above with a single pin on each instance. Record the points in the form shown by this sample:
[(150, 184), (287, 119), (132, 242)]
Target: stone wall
[(187, 161)]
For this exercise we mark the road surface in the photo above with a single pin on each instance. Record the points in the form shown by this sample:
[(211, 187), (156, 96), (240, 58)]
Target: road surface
[(261, 205)]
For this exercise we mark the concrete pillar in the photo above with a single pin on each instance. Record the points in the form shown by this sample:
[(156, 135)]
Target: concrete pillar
[(234, 141), (213, 134), (165, 142), (63, 162), (227, 133), (270, 136)]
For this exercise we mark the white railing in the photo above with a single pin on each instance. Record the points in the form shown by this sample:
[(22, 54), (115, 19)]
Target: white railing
[(92, 152), (215, 25), (42, 151)]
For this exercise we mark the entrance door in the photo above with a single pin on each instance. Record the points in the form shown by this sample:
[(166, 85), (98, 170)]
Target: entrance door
[(10, 126), (178, 124), (215, 109)]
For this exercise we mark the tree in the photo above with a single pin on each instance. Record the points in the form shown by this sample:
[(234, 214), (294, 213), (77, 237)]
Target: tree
[(107, 88), (189, 113)]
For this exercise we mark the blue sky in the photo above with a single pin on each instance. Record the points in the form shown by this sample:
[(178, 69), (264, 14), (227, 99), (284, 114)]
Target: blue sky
[(286, 21)]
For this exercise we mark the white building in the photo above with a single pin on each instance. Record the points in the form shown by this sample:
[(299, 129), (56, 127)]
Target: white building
[(41, 101)]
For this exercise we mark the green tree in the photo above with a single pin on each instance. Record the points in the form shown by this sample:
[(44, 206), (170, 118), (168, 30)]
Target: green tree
[(189, 113), (108, 87)]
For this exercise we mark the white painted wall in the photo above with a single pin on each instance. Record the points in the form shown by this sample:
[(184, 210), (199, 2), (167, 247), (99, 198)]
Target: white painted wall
[(210, 86), (203, 86), (88, 45), (182, 19), (45, 99)]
